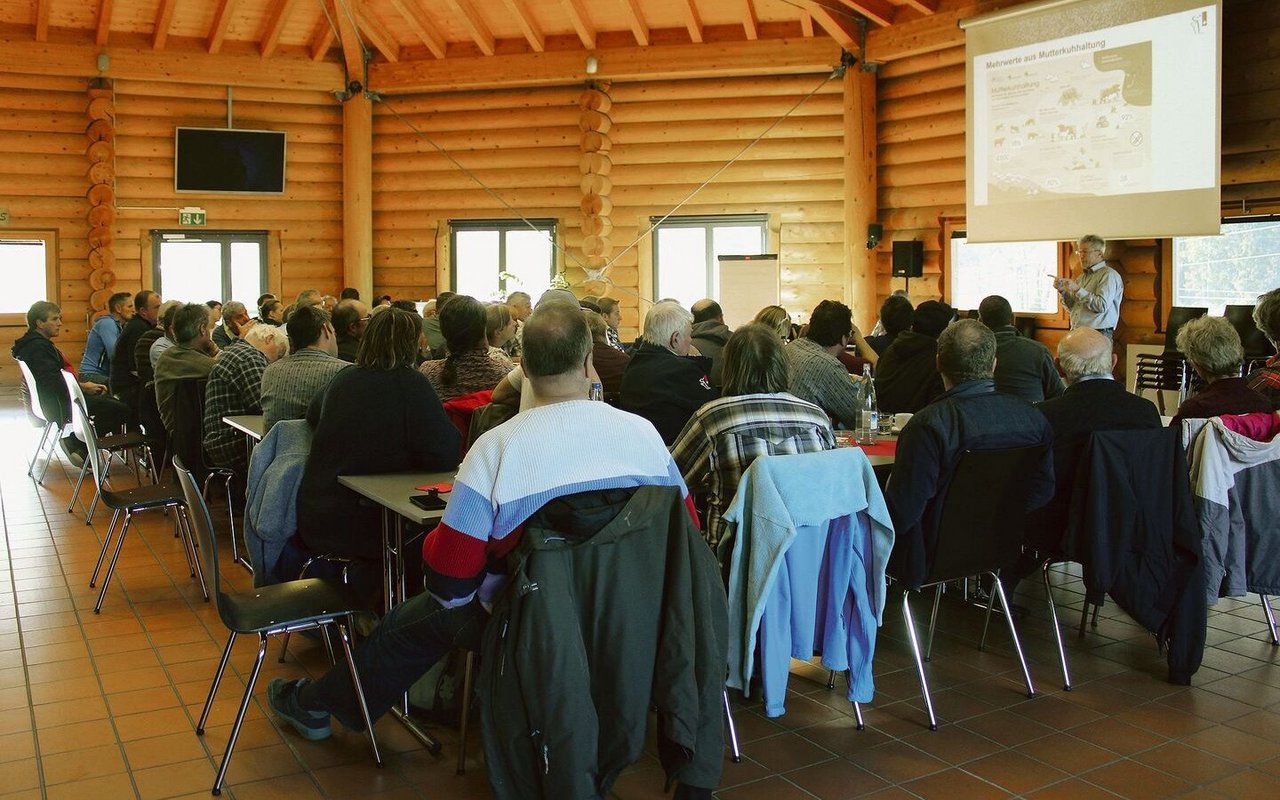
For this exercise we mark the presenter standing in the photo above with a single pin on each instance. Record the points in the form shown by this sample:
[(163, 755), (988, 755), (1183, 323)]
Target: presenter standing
[(1092, 297)]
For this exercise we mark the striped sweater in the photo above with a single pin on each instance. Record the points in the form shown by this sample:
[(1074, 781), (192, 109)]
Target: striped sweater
[(513, 470)]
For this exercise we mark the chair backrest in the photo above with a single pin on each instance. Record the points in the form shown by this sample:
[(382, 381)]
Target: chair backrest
[(33, 394), (75, 393), (1254, 341), (84, 430), (201, 529), (1179, 316), (984, 512), (186, 440)]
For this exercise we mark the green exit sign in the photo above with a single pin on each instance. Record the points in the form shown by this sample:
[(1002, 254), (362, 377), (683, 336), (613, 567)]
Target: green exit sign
[(191, 216)]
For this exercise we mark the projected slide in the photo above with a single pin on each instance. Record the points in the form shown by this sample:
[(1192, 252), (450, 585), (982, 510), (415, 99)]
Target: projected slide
[(1110, 112)]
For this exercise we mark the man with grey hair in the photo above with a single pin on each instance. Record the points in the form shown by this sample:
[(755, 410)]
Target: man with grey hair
[(1093, 401), (1093, 296), (970, 415), (1265, 380), (1213, 350), (662, 382), (190, 358), (290, 384), (234, 388), (235, 318)]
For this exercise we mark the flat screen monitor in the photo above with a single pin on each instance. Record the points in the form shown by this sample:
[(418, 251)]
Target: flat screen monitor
[(229, 160)]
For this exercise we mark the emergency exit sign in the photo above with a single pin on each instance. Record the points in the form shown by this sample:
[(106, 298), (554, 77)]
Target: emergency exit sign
[(191, 216)]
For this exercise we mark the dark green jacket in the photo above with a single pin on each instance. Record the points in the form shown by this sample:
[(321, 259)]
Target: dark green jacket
[(614, 603)]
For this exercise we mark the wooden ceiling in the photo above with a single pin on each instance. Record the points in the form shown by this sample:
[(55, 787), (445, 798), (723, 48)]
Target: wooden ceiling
[(393, 31)]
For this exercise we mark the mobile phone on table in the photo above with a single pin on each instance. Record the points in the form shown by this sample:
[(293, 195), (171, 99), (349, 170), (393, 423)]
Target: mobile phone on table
[(428, 502)]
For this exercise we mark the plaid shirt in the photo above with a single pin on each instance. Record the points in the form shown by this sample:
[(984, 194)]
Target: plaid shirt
[(1266, 381), (234, 388), (723, 437), (289, 384), (820, 378)]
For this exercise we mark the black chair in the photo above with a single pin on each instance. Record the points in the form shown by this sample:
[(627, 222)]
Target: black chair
[(129, 502), (1254, 341), (981, 530), (1162, 372), (1179, 316), (300, 605)]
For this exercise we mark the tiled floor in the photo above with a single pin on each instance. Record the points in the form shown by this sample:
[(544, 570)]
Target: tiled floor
[(105, 706)]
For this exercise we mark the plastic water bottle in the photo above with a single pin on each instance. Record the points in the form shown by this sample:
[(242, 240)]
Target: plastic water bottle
[(870, 417)]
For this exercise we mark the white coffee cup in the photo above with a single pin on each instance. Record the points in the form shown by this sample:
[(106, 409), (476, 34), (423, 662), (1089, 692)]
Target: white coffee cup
[(900, 421)]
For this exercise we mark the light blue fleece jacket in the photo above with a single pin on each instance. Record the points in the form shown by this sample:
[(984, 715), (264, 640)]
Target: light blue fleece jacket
[(810, 537), (270, 513)]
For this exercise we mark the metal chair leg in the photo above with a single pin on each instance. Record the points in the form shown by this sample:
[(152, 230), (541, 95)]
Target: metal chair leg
[(1271, 619), (933, 621), (75, 493), (345, 635), (244, 707), (44, 435), (734, 749), (1013, 632), (106, 542), (915, 651), (986, 620), (217, 681), (53, 442), (115, 556), (859, 723), (189, 535), (1057, 631), (468, 676)]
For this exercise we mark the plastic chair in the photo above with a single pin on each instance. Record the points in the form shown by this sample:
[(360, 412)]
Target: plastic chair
[(1179, 316), (1162, 372), (1253, 341), (37, 413), (111, 443), (128, 502), (980, 531), (299, 605)]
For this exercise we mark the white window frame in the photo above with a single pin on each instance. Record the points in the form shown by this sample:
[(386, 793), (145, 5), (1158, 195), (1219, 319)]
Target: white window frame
[(708, 223), (50, 240), (501, 227)]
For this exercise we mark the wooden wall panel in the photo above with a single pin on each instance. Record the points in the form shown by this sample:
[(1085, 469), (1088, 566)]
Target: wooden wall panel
[(43, 185), (306, 220), (667, 138)]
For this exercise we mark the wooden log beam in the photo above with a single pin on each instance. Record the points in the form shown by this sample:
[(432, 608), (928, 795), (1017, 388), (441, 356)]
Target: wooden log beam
[(528, 25), (861, 208), (421, 28), (635, 20), (833, 19), (693, 21), (275, 26), (655, 63), (353, 55), (169, 66), (806, 24), (878, 11), (321, 40), (221, 21), (750, 23), (474, 25), (42, 20), (103, 28), (937, 31), (377, 35), (164, 17), (923, 6), (357, 193), (581, 22)]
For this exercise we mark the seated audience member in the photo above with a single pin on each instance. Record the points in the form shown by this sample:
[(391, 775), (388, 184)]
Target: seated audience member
[(468, 367), (235, 388), (235, 317), (878, 329), (160, 339), (776, 318), (95, 365), (970, 415), (590, 303), (349, 293), (190, 358), (379, 416), (521, 308), (612, 313), (907, 376), (308, 297), (290, 384), (271, 312), (1093, 401), (1265, 380), (508, 474), (1213, 350), (431, 325), (500, 326), (328, 302), (755, 416), (816, 374), (662, 382), (36, 349), (896, 314), (350, 318), (610, 362), (710, 333), (1024, 367), (124, 380), (215, 313), (405, 305)]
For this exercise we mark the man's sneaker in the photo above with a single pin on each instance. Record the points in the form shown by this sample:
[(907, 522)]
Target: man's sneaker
[(74, 454), (283, 697)]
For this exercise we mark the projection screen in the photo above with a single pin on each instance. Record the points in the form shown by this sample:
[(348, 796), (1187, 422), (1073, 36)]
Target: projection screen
[(1093, 116)]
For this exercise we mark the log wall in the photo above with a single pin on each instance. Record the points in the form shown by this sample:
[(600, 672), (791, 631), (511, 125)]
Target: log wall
[(665, 138)]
